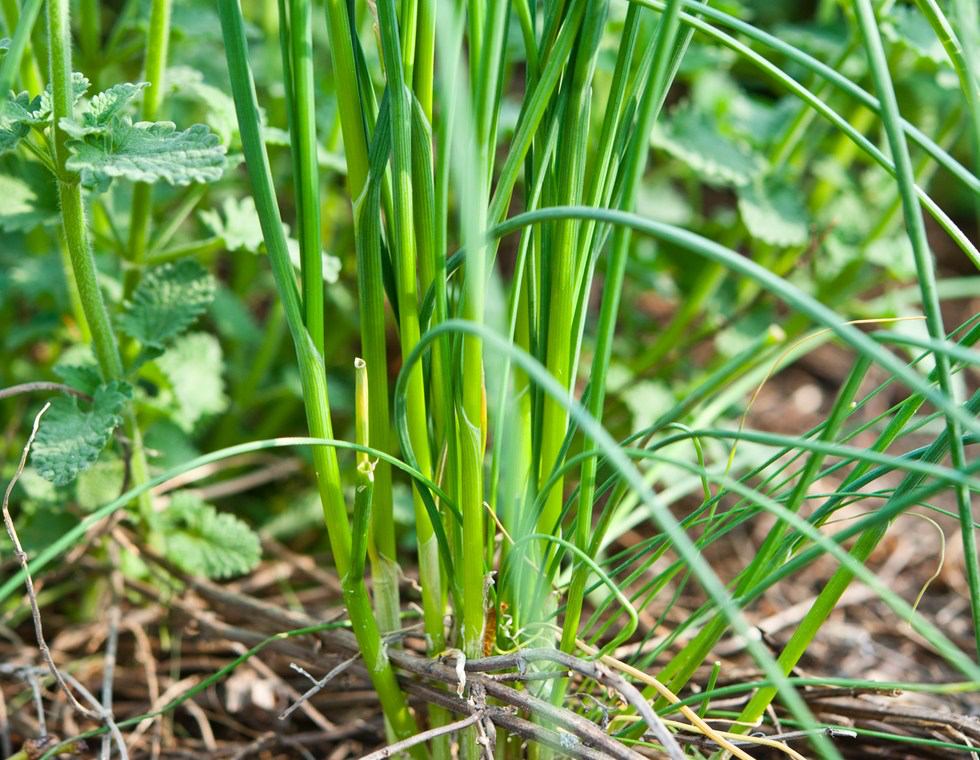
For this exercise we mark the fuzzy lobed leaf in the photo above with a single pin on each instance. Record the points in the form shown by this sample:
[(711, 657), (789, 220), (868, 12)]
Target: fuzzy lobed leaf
[(18, 207), (774, 212), (167, 301), (147, 152), (237, 223), (103, 109), (691, 136), (203, 541), (42, 111), (16, 114), (71, 437), (193, 367)]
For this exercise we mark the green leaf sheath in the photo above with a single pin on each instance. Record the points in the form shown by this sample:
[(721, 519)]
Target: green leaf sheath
[(405, 259), (304, 146), (155, 63), (925, 269), (311, 371)]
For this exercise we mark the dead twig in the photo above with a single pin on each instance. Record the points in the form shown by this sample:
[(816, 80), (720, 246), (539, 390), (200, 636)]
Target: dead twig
[(105, 717), (597, 672), (575, 731), (21, 556), (424, 736), (317, 685), (112, 644), (42, 385)]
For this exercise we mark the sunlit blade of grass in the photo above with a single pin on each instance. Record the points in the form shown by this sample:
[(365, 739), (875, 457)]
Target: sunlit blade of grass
[(680, 669), (15, 58), (311, 368), (925, 269), (824, 71), (851, 564), (968, 20), (679, 539), (782, 289), (405, 259), (909, 493), (962, 57), (157, 45), (634, 166)]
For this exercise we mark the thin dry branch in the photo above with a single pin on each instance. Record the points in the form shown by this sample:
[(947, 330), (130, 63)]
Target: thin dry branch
[(597, 672), (450, 728), (41, 385), (21, 556)]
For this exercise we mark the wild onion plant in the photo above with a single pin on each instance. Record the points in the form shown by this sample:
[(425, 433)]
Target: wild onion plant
[(489, 403), (515, 176)]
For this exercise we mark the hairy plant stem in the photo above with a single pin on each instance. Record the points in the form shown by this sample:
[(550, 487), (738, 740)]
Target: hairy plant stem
[(104, 344), (157, 43)]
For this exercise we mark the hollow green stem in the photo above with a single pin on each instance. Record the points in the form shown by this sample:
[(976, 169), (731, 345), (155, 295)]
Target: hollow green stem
[(371, 307), (104, 344), (311, 369), (925, 268), (304, 147), (157, 43), (405, 254), (635, 163), (20, 55)]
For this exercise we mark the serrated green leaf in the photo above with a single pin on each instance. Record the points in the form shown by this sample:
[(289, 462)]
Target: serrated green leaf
[(147, 152), (42, 111), (82, 377), (773, 212), (187, 82), (693, 137), (71, 437), (167, 301), (193, 367), (37, 489), (895, 255), (17, 206), (19, 112), (16, 115), (907, 26), (167, 445), (233, 319), (237, 223), (103, 110), (100, 483), (202, 541)]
